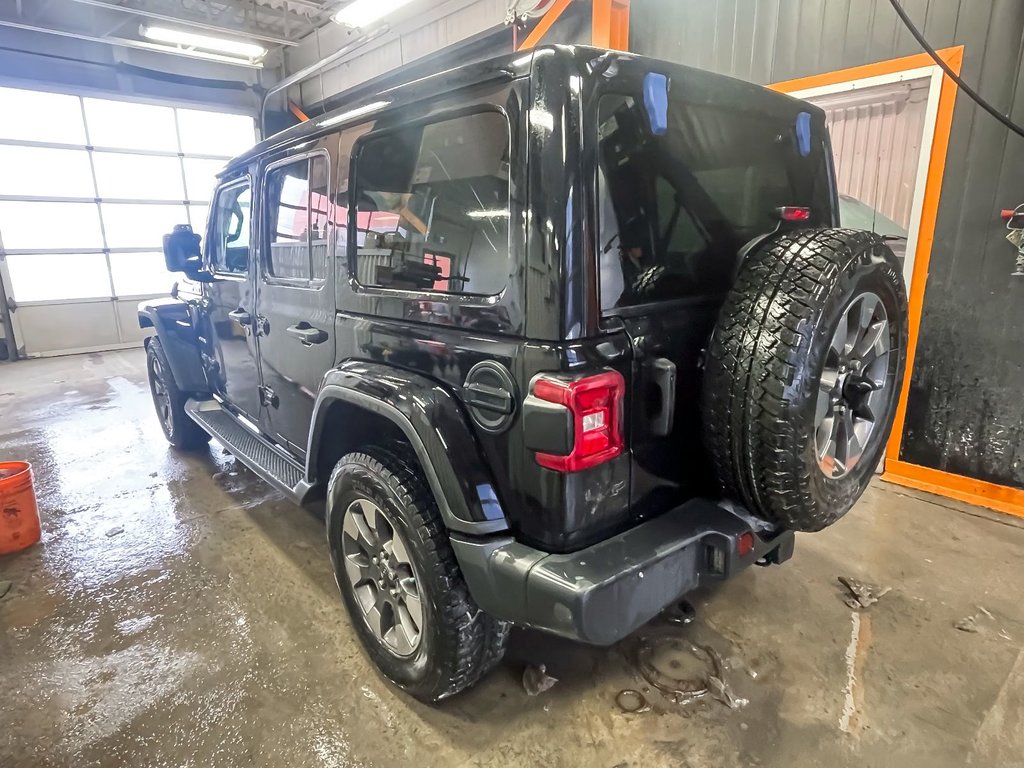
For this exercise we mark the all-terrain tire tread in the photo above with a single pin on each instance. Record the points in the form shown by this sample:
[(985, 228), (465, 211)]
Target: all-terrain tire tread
[(765, 329), (471, 641)]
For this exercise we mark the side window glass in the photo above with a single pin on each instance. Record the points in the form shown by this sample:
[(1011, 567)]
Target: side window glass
[(298, 218), (433, 207), (228, 246)]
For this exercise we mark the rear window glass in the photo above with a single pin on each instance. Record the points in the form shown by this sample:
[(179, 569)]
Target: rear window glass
[(433, 207), (675, 209)]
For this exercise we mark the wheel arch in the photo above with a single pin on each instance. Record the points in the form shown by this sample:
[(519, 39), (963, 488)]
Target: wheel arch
[(172, 323), (370, 404)]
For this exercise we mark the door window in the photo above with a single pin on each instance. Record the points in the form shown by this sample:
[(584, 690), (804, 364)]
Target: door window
[(228, 246), (433, 207), (299, 214)]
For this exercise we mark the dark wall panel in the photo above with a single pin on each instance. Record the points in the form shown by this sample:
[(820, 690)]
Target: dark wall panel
[(966, 408)]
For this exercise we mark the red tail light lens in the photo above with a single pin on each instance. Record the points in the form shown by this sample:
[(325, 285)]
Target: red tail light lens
[(596, 407), (745, 544), (793, 213)]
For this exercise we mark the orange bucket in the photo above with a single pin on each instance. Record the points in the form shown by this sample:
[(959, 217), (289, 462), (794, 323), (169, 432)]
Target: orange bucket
[(19, 516)]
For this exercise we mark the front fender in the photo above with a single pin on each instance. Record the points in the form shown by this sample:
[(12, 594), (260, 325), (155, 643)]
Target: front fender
[(172, 322), (433, 422)]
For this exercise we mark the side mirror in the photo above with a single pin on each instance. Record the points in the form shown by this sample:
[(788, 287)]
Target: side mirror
[(182, 252)]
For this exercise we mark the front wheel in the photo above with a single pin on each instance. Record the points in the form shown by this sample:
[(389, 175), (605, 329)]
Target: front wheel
[(179, 429), (401, 584)]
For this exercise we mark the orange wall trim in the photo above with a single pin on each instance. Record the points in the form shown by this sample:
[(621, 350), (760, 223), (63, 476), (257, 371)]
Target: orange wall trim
[(545, 23), (958, 487), (611, 24), (998, 497)]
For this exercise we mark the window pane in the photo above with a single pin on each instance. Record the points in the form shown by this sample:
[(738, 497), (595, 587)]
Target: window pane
[(39, 116), (434, 207), (299, 219), (137, 274), (201, 177), (58, 276), (50, 225), (128, 125), (49, 172), (139, 226), (138, 176), (321, 212), (676, 208), (228, 247), (215, 133)]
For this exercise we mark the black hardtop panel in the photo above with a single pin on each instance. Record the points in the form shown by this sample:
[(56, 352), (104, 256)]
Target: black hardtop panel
[(401, 87)]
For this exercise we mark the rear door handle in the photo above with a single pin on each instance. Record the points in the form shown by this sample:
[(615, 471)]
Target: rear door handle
[(307, 334), (241, 317)]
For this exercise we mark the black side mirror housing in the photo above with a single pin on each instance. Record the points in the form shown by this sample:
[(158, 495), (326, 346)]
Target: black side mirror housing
[(182, 253)]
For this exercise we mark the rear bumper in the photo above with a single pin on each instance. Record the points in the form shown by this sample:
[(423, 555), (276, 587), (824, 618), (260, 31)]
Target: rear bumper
[(601, 594)]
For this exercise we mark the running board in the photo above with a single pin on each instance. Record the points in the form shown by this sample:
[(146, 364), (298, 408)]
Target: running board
[(255, 451)]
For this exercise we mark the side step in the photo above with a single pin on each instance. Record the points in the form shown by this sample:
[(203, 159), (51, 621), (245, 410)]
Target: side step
[(253, 450)]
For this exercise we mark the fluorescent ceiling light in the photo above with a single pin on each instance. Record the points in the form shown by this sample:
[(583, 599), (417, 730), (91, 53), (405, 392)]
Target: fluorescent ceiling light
[(191, 40), (360, 13), (502, 213)]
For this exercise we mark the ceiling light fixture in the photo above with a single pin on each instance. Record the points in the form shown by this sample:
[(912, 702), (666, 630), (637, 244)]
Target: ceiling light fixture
[(203, 42), (361, 13)]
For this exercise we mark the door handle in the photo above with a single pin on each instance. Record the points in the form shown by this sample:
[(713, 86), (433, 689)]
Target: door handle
[(307, 334), (241, 317)]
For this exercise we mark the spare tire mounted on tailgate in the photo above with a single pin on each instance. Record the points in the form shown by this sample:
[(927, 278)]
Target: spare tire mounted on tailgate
[(803, 372)]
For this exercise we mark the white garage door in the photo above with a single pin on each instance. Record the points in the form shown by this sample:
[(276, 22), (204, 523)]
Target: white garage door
[(88, 187)]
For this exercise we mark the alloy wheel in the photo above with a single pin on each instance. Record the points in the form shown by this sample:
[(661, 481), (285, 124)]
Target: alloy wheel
[(853, 394), (161, 397), (382, 577)]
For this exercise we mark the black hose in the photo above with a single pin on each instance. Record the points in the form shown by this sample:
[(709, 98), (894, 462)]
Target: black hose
[(975, 96)]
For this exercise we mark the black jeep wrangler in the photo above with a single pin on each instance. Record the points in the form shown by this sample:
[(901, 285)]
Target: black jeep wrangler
[(554, 339)]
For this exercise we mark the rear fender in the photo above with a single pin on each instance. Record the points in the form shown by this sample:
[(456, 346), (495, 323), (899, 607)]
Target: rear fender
[(433, 422), (171, 321)]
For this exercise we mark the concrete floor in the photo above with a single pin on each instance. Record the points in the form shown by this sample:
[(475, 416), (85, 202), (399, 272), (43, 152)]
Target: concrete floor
[(180, 613)]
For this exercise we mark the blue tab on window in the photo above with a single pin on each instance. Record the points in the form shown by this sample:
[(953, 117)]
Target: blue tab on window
[(656, 102), (803, 133)]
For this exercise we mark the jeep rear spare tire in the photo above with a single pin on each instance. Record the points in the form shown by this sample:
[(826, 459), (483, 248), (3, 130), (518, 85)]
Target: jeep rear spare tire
[(803, 372)]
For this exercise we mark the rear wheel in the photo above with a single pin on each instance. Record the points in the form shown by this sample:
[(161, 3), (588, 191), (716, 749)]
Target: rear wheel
[(179, 429), (802, 375), (400, 581)]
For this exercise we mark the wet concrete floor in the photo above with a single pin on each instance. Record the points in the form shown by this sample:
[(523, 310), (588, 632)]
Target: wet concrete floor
[(179, 612)]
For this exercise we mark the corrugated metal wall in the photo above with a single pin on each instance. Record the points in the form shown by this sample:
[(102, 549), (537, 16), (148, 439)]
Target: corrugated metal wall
[(876, 138), (966, 408)]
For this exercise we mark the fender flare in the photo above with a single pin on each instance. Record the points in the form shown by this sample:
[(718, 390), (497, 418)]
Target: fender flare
[(171, 321), (433, 423)]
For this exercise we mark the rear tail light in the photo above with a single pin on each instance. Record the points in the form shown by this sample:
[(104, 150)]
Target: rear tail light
[(793, 213), (745, 544), (595, 405)]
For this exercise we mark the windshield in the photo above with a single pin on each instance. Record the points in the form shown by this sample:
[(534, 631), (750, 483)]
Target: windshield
[(675, 209)]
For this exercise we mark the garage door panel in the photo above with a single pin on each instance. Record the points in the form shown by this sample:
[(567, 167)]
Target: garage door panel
[(70, 326), (50, 226), (138, 177), (48, 276), (42, 171), (141, 274), (130, 225), (128, 316), (117, 124), (40, 116)]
